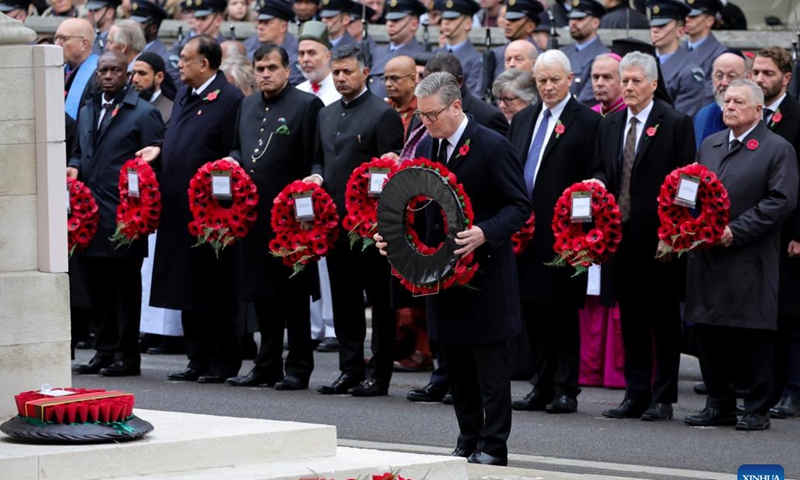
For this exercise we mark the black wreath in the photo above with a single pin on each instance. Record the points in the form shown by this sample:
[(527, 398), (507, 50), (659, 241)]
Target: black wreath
[(21, 430), (395, 196)]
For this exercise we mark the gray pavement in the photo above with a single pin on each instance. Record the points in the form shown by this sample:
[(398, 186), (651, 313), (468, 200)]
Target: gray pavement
[(581, 446)]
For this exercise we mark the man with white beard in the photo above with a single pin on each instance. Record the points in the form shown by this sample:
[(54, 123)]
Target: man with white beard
[(314, 59)]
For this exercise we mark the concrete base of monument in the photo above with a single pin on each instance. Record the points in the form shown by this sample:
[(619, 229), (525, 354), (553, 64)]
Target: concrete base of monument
[(189, 446)]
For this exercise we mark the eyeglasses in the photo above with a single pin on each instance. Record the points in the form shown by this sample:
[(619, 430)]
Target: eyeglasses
[(63, 38), (431, 117), (506, 100), (396, 78), (719, 76)]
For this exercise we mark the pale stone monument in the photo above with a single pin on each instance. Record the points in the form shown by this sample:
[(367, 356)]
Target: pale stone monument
[(34, 289)]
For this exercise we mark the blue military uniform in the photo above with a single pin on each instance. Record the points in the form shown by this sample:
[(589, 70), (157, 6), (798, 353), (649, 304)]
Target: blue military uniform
[(200, 9), (396, 10), (101, 38), (515, 10), (702, 54), (334, 8), (471, 60), (581, 57), (267, 10)]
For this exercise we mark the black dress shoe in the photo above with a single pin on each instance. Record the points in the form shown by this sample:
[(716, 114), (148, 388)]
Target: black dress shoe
[(448, 398), (213, 376), (369, 388), (700, 388), (462, 452), (328, 344), (658, 412), (432, 392), (340, 386), (562, 404), (711, 417), (290, 382), (252, 379), (92, 368), (627, 409), (119, 369), (170, 346), (752, 422), (189, 374), (482, 458), (534, 401), (786, 408)]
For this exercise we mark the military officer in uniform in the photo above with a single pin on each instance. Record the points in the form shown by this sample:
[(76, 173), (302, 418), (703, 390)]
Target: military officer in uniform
[(702, 46), (352, 131), (684, 85), (621, 15), (335, 14), (273, 27), (274, 160), (402, 22), (455, 27), (207, 18), (522, 18), (150, 15), (16, 9), (359, 19), (101, 13), (584, 20)]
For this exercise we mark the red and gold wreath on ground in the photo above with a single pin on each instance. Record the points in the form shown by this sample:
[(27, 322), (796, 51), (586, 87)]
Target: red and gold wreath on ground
[(212, 223), (137, 217), (683, 228), (83, 216), (583, 244), (465, 267), (361, 217), (521, 239), (293, 244), (83, 406)]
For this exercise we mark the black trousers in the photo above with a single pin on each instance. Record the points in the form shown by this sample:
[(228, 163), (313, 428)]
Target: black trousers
[(213, 341), (555, 339), (787, 358), (719, 347), (353, 272), (651, 331), (115, 288), (481, 387), (289, 310)]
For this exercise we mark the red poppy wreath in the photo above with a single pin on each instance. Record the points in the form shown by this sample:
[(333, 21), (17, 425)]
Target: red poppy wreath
[(591, 241), (139, 209), (423, 269), (361, 206), (82, 217), (295, 245), (211, 222), (684, 228), (521, 239)]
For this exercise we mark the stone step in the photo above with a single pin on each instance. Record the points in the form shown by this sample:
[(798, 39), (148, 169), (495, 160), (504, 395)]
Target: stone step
[(348, 463), (179, 442)]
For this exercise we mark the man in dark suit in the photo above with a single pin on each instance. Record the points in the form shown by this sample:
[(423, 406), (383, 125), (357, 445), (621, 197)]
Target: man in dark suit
[(772, 71), (352, 131), (636, 149), (551, 296), (273, 161), (473, 325), (733, 288), (402, 22), (110, 131), (194, 280), (455, 27)]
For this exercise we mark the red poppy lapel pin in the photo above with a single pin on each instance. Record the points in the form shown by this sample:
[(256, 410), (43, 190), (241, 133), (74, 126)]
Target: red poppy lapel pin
[(651, 132), (776, 118), (464, 150), (211, 96), (115, 111), (752, 144), (559, 128)]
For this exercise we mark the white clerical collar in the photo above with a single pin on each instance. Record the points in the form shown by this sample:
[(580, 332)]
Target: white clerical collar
[(199, 90), (456, 136), (741, 137), (642, 115)]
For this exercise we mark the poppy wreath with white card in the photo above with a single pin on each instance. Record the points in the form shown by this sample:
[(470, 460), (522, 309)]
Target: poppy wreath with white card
[(82, 216), (361, 199), (213, 223), (298, 204), (139, 209), (693, 208), (587, 227)]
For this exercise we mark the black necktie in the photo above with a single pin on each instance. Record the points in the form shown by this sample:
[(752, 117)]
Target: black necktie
[(442, 158), (734, 143), (767, 113), (106, 117)]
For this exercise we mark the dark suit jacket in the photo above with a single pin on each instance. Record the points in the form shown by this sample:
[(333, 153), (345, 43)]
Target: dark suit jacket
[(283, 159), (566, 160), (789, 129), (99, 156), (635, 272), (186, 278), (492, 176), (164, 106), (737, 286)]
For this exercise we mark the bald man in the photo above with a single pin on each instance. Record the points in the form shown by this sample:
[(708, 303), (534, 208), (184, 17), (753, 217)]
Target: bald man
[(521, 54), (725, 69), (75, 36), (400, 78)]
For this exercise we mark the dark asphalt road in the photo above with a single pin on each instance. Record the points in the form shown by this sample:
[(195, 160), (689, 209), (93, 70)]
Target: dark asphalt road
[(584, 436)]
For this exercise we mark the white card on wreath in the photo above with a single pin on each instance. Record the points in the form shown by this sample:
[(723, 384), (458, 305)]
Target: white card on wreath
[(221, 184), (377, 177), (133, 183), (581, 207), (304, 208), (688, 187)]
